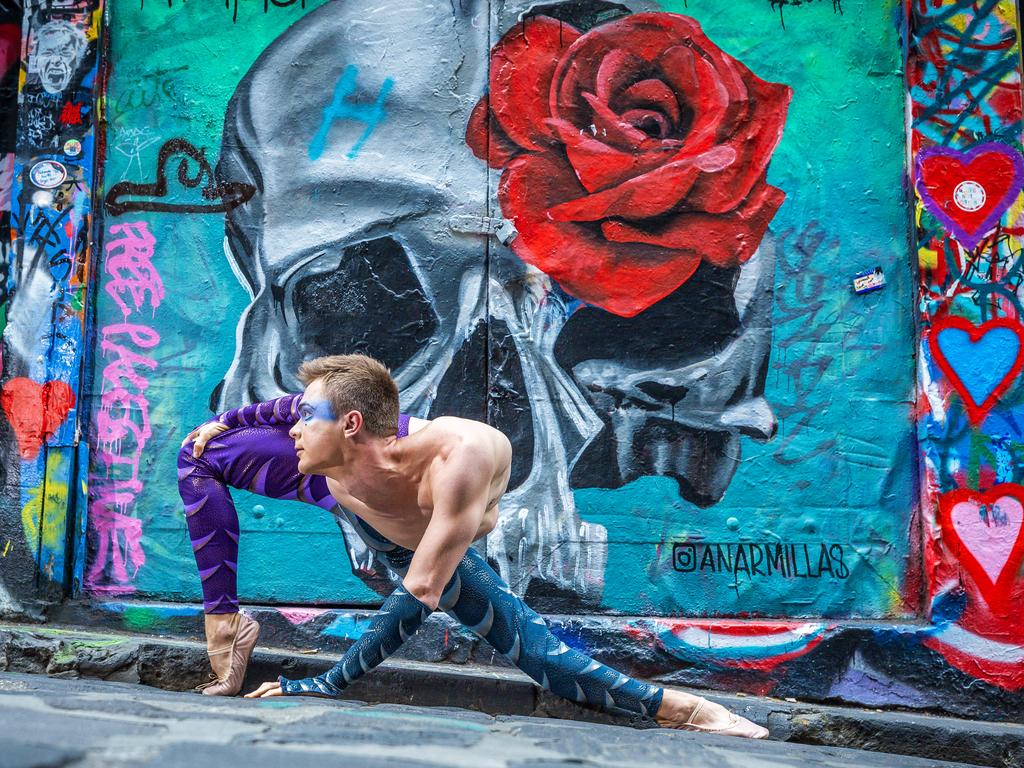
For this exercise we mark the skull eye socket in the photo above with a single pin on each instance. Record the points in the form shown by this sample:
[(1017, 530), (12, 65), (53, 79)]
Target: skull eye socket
[(502, 402), (696, 321), (372, 302)]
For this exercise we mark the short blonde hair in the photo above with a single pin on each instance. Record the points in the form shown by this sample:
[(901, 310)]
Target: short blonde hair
[(357, 383)]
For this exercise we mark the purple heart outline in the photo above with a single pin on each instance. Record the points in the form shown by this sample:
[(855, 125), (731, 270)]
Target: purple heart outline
[(968, 239)]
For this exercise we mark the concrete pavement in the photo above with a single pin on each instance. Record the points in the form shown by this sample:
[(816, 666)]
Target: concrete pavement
[(58, 723)]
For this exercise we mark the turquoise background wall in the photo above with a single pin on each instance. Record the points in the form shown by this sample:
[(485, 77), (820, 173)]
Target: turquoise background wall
[(835, 367)]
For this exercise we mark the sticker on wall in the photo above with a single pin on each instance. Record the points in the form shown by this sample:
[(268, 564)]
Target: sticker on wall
[(47, 174), (986, 530), (969, 191), (869, 280), (72, 147), (980, 361)]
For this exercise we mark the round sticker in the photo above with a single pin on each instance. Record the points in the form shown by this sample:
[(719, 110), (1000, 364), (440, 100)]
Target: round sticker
[(969, 196), (72, 147), (47, 174)]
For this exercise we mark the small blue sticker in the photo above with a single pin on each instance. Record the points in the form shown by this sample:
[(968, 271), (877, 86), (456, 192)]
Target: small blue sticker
[(869, 280)]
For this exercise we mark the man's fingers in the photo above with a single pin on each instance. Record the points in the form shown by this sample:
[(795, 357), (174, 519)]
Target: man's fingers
[(198, 446), (265, 689)]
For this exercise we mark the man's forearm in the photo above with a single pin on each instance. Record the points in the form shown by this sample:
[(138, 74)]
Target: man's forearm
[(399, 617), (280, 410)]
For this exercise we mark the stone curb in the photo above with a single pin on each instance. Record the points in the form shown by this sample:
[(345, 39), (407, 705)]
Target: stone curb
[(177, 665)]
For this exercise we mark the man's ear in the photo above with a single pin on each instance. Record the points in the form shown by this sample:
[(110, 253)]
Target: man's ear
[(352, 423)]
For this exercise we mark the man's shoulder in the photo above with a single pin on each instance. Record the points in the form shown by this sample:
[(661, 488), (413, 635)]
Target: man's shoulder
[(459, 436), (460, 425)]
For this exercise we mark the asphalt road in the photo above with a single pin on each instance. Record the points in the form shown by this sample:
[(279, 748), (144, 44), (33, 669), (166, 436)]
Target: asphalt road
[(53, 723)]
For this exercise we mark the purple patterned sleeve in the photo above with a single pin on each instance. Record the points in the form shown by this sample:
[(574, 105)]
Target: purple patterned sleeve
[(282, 410)]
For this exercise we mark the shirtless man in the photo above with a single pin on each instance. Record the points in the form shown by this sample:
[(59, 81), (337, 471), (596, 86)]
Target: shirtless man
[(420, 492)]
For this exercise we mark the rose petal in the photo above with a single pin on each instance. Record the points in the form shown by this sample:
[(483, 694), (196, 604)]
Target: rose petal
[(486, 139), (599, 165), (616, 70), (522, 65), (615, 131), (624, 279), (640, 35), (640, 117), (651, 194), (754, 142), (705, 93), (650, 93), (722, 240)]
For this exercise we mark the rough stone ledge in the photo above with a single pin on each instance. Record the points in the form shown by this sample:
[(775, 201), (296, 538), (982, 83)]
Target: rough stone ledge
[(180, 665)]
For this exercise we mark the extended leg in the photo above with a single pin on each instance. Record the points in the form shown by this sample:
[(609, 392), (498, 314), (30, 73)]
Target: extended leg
[(258, 459), (479, 599)]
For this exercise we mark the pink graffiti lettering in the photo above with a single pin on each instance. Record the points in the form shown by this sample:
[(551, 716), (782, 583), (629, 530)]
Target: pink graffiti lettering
[(130, 268), (122, 427), (117, 538)]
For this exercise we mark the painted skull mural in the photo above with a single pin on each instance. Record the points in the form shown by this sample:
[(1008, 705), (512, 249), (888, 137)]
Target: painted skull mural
[(632, 153), (629, 237)]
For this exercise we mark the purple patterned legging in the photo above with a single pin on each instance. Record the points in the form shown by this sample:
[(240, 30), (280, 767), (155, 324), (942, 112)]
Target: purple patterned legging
[(254, 454)]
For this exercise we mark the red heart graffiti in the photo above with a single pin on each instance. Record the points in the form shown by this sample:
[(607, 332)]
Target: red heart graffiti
[(986, 530), (969, 191), (36, 411)]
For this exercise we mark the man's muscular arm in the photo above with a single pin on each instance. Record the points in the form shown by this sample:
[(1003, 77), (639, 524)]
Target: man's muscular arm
[(280, 410), (460, 488)]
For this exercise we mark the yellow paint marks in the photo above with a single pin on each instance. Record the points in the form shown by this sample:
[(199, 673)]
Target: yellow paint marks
[(960, 20), (927, 258), (7, 548), (56, 505)]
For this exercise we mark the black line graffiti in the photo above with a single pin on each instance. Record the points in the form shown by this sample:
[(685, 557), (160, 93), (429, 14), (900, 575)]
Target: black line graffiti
[(837, 7), (222, 197)]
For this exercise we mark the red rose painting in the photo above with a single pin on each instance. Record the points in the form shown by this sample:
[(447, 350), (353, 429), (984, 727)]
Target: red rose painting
[(630, 153)]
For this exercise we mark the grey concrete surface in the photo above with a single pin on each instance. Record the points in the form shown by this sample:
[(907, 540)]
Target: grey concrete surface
[(79, 723), (177, 665)]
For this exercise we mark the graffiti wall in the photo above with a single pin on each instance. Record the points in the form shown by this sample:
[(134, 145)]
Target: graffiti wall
[(741, 282), (612, 230), (965, 93), (49, 53)]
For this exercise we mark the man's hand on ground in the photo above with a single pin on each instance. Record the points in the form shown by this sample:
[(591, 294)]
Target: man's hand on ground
[(202, 435), (266, 690)]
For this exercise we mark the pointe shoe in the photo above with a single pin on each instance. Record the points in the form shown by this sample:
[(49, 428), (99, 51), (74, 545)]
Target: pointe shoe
[(241, 650), (737, 726)]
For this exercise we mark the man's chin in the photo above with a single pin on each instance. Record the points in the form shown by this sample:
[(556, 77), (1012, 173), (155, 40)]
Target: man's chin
[(309, 468)]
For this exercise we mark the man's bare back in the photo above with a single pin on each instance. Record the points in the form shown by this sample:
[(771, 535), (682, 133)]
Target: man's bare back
[(401, 508), (434, 492)]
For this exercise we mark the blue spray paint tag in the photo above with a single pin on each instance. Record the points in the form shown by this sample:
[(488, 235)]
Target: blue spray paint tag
[(869, 280)]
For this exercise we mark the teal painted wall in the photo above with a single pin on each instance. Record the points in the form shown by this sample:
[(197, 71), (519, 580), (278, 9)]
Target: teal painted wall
[(836, 368)]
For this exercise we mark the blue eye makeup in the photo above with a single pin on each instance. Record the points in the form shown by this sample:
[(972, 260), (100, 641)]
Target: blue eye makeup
[(316, 409)]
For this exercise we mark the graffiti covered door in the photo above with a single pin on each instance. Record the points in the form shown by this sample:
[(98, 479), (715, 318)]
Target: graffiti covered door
[(615, 232), (334, 211), (710, 419)]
